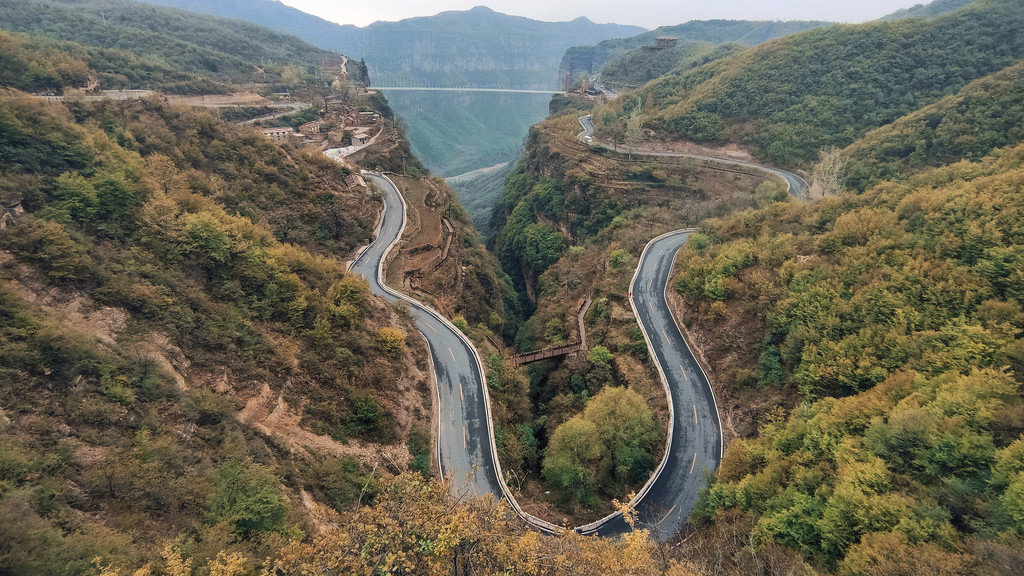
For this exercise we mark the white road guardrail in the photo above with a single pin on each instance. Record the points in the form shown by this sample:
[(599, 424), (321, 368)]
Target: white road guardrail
[(527, 517), (530, 519)]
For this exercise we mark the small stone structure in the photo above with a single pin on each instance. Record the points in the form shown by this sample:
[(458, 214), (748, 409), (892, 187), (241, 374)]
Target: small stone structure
[(10, 209), (665, 42)]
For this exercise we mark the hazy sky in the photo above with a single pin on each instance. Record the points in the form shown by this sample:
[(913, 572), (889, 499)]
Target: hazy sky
[(646, 13)]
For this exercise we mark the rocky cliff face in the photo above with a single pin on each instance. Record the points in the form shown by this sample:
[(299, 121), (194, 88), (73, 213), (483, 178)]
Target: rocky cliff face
[(9, 210), (447, 48)]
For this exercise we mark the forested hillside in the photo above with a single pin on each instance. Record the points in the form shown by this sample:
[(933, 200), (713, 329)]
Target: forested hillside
[(581, 61), (790, 98), (184, 356), (136, 45), (639, 66), (148, 295), (194, 384), (572, 227), (865, 347), (40, 64), (930, 10), (896, 315), (985, 115)]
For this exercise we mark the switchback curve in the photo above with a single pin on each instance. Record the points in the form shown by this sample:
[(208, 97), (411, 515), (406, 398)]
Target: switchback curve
[(466, 446)]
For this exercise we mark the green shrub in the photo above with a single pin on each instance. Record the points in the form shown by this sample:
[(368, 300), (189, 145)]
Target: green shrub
[(600, 355), (248, 497)]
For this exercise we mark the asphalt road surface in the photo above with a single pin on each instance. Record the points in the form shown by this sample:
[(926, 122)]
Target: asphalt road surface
[(798, 187), (696, 441), (465, 443), (464, 440)]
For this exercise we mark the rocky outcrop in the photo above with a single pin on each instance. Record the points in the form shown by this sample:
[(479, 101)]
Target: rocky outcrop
[(10, 209)]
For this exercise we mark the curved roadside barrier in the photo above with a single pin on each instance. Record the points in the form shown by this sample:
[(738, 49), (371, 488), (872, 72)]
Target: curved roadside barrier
[(588, 129), (661, 487), (795, 185), (390, 188)]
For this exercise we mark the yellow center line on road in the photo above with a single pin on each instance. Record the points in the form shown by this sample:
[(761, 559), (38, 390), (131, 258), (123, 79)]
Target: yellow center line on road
[(461, 397), (432, 328), (694, 413), (694, 463), (453, 355), (667, 513)]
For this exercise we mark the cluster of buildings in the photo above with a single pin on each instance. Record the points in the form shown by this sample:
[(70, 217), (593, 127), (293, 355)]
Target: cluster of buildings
[(348, 128)]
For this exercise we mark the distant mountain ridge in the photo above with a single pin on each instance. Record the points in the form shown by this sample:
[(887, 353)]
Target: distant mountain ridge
[(877, 72), (936, 8), (480, 47), (451, 133)]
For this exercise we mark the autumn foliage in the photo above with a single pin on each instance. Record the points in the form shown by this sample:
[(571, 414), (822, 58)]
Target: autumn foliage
[(897, 316), (417, 527)]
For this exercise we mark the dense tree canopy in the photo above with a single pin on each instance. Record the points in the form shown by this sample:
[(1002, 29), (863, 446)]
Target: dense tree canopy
[(167, 228), (793, 96), (897, 315), (985, 115), (136, 45), (609, 446)]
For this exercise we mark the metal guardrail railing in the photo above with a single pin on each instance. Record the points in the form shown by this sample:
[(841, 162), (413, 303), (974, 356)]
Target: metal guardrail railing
[(565, 349), (528, 518), (795, 185), (507, 494)]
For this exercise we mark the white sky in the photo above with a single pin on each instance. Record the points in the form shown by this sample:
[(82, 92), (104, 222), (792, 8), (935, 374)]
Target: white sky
[(646, 13)]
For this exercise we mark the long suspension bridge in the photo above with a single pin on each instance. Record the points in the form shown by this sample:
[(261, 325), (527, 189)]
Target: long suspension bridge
[(462, 89)]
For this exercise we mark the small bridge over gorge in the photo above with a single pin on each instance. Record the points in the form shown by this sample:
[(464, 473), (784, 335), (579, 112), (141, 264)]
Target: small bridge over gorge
[(564, 349)]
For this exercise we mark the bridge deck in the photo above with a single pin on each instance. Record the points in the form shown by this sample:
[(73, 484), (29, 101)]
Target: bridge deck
[(463, 89)]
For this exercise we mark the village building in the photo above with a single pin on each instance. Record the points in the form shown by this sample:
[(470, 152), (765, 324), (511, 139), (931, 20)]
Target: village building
[(366, 118), (361, 136), (311, 129), (280, 134)]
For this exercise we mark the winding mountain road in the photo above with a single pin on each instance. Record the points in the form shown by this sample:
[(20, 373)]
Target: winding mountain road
[(798, 187), (695, 443), (285, 109), (465, 441)]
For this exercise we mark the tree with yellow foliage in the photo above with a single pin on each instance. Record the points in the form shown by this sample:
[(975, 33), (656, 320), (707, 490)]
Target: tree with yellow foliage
[(417, 526), (390, 341)]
